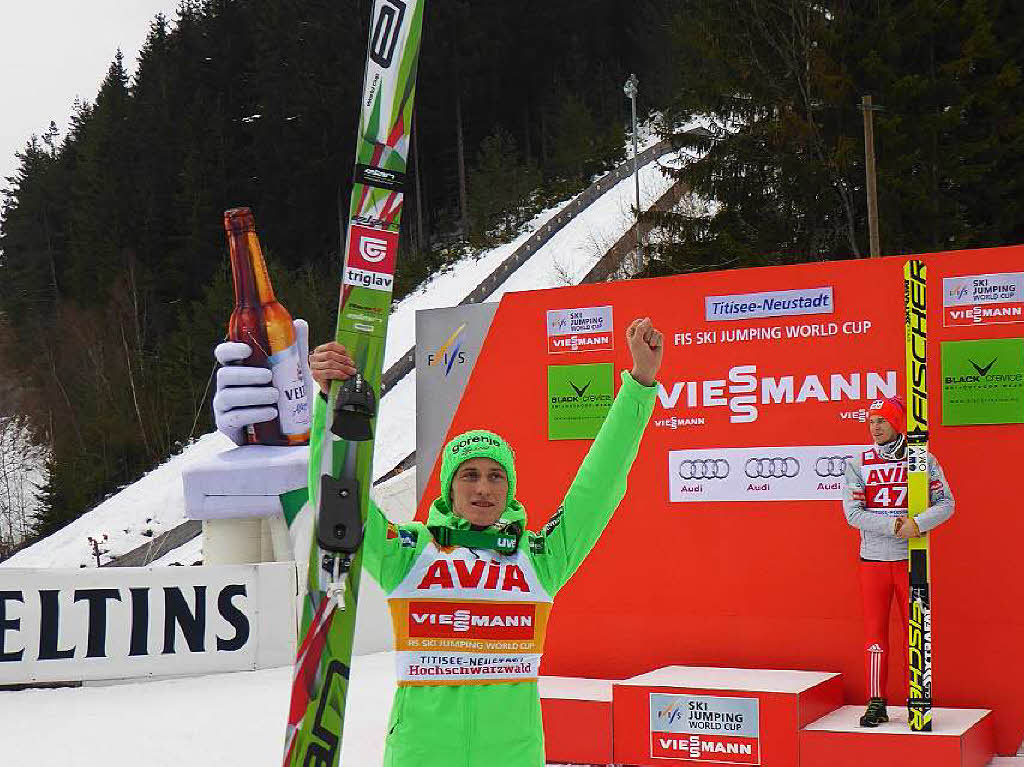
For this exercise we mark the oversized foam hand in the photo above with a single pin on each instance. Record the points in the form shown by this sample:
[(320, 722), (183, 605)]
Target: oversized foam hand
[(647, 346), (246, 395)]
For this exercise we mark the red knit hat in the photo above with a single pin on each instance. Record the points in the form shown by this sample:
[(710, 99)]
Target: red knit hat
[(892, 410)]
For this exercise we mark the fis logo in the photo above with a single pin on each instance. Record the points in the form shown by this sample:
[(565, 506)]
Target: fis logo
[(450, 352)]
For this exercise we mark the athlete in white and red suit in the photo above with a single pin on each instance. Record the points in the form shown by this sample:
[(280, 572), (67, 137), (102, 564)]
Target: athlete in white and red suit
[(875, 502)]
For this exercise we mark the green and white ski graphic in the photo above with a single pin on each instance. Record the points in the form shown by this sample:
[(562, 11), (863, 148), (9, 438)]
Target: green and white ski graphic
[(341, 439)]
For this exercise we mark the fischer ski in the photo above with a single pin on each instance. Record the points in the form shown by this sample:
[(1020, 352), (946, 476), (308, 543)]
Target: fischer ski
[(341, 439), (919, 698)]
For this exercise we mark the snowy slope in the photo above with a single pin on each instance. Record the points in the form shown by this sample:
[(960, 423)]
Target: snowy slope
[(155, 503)]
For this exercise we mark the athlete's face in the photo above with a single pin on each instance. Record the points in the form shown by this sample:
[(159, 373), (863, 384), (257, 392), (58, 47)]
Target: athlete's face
[(881, 430), (479, 490)]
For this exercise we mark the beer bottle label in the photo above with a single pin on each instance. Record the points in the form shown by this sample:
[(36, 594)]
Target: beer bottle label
[(293, 403)]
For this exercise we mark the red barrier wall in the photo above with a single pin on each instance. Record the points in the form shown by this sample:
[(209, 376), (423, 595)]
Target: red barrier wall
[(766, 584)]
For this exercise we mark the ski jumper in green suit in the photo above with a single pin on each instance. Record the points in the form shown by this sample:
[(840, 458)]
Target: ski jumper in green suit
[(469, 623)]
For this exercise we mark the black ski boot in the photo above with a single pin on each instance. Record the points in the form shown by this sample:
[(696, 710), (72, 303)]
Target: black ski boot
[(876, 713)]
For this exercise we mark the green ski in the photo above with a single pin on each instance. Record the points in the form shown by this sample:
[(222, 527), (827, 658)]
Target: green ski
[(341, 439)]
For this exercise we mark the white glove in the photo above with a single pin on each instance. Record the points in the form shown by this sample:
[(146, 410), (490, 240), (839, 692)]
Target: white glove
[(245, 395)]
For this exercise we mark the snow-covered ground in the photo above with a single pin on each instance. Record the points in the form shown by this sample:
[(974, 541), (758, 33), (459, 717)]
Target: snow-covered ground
[(224, 720), (155, 503), (211, 721)]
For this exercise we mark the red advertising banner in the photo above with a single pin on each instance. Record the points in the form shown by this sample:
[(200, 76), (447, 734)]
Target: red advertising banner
[(731, 547)]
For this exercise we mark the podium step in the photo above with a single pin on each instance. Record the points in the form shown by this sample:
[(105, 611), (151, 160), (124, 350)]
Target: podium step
[(577, 718), (960, 738)]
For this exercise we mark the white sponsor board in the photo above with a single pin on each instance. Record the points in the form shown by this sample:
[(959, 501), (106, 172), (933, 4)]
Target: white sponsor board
[(972, 289), (803, 473), (124, 622), (983, 299), (774, 303), (592, 319)]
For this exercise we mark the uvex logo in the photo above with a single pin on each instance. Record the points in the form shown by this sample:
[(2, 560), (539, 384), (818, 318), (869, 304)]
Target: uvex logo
[(445, 573)]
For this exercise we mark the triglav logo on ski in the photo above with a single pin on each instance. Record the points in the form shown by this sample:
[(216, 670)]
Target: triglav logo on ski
[(743, 390), (584, 329), (373, 249), (371, 257)]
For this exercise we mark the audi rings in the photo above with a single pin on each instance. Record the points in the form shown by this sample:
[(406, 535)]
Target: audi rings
[(772, 468), (704, 468), (831, 465)]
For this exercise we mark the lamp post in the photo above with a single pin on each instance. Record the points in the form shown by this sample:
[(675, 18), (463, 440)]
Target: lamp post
[(630, 89)]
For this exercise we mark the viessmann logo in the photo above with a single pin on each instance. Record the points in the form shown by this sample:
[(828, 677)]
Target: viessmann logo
[(476, 620), (743, 390)]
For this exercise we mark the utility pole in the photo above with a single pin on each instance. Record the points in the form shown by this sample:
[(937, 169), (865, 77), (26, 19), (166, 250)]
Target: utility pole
[(631, 89), (869, 169)]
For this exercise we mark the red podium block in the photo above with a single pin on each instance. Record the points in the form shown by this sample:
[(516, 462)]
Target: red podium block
[(685, 714), (960, 737), (577, 716)]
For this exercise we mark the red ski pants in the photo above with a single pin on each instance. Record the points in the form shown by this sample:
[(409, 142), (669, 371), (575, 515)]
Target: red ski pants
[(879, 582)]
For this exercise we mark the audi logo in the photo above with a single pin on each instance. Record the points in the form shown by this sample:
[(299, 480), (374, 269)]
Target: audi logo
[(704, 468), (831, 465), (765, 468)]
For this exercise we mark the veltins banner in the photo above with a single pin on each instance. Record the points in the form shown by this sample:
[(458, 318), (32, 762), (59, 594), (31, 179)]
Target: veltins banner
[(123, 622), (983, 381), (705, 728)]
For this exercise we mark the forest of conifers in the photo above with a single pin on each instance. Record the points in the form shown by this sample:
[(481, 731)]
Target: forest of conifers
[(114, 280)]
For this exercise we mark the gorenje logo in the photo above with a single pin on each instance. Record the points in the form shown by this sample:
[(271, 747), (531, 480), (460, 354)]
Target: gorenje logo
[(742, 390), (488, 441)]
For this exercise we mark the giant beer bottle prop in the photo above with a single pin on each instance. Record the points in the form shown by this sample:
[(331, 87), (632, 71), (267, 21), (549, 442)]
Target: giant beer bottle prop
[(262, 322)]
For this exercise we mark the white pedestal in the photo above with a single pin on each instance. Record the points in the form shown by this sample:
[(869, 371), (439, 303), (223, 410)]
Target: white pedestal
[(236, 495)]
